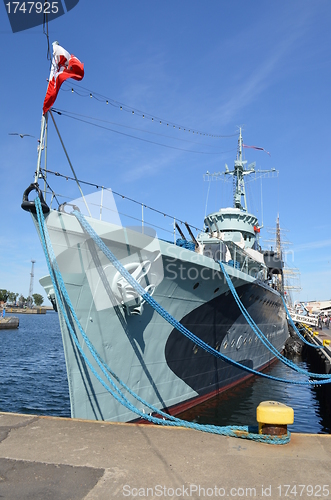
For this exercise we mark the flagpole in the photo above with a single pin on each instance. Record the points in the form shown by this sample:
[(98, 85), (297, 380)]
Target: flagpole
[(40, 148), (45, 138)]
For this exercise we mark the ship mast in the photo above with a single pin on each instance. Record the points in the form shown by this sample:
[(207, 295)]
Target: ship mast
[(239, 172), (278, 240)]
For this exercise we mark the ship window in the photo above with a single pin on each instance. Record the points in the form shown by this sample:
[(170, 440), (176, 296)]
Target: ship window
[(196, 286), (233, 342), (249, 238), (245, 340), (195, 349), (245, 237), (239, 342), (250, 340), (216, 290), (225, 344)]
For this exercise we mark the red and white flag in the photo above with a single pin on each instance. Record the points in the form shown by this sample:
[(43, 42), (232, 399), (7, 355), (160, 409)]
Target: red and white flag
[(64, 66)]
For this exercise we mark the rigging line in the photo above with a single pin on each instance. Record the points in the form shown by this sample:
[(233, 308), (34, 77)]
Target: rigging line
[(151, 224), (144, 140), (131, 217), (70, 164), (49, 187), (69, 113), (113, 102), (99, 186)]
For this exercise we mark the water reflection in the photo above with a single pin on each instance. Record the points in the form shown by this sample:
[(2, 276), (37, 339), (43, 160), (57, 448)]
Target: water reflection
[(238, 405), (33, 379)]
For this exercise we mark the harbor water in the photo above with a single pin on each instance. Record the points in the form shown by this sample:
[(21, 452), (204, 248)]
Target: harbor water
[(33, 381)]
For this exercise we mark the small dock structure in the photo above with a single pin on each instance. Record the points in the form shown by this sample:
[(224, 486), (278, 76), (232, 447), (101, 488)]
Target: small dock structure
[(320, 338), (26, 310), (9, 323)]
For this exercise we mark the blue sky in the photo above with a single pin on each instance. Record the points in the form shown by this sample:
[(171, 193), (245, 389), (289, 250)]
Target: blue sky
[(207, 66)]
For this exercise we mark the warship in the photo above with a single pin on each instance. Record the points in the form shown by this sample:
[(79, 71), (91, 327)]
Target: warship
[(151, 326), (196, 283)]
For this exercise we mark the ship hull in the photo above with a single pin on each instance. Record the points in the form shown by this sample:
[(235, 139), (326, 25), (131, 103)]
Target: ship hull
[(148, 354)]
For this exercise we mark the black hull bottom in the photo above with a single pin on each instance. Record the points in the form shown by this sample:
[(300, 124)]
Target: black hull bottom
[(220, 324)]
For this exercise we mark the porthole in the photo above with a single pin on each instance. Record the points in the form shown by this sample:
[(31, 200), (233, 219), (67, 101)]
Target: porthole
[(245, 340), (196, 286), (195, 349), (216, 290), (239, 342), (217, 347), (233, 342), (250, 340), (225, 344)]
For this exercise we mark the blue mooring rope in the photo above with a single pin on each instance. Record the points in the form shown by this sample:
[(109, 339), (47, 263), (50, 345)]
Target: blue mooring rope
[(231, 431), (262, 337), (170, 319), (236, 431)]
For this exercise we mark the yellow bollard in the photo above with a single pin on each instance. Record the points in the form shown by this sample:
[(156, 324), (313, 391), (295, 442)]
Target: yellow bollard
[(274, 417), (326, 342), (315, 333)]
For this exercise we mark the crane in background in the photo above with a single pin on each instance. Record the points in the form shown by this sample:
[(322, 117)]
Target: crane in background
[(30, 299)]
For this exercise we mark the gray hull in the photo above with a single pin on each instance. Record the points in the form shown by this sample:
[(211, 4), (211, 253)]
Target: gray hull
[(156, 361)]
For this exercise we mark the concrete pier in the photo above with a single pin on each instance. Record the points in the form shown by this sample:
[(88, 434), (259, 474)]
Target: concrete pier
[(27, 310), (56, 458), (321, 338)]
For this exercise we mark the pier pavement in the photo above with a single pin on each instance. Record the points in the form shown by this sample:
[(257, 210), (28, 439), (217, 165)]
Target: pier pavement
[(57, 458)]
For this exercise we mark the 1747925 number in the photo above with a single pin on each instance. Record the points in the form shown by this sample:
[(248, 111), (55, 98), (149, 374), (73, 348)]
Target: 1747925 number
[(31, 7)]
